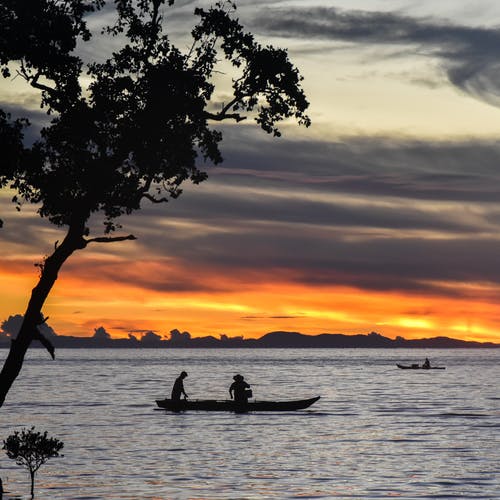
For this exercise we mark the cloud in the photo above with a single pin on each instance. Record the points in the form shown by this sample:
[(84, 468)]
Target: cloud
[(270, 317), (377, 183), (179, 337), (171, 274), (11, 326), (151, 338), (469, 55), (27, 108), (101, 334), (376, 213), (379, 213)]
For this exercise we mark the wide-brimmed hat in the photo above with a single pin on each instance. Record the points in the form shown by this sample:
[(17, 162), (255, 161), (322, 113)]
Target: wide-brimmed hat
[(238, 377)]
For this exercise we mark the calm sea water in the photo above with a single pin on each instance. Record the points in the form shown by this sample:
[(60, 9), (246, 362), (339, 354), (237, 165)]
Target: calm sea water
[(376, 432)]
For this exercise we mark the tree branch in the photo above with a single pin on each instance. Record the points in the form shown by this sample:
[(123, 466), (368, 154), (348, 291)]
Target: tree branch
[(110, 239), (223, 113), (224, 116), (45, 342), (34, 83), (33, 80), (38, 335), (152, 199)]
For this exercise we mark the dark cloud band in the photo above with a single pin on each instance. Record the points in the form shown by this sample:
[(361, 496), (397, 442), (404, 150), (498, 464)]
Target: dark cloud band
[(469, 55)]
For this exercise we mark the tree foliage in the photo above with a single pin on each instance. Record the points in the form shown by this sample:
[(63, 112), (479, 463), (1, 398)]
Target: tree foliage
[(141, 126), (138, 129), (31, 449)]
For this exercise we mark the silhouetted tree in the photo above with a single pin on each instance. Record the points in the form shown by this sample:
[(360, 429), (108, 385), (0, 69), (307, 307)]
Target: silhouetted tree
[(137, 131), (31, 449)]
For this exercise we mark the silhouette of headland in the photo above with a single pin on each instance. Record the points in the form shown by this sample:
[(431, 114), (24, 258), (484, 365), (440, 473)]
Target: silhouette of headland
[(278, 339)]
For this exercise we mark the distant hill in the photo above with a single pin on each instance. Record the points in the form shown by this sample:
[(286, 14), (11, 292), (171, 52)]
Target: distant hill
[(277, 339), (295, 339), (371, 340)]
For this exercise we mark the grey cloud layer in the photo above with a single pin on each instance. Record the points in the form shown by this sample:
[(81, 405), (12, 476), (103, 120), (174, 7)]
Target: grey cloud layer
[(469, 54), (379, 214), (393, 223)]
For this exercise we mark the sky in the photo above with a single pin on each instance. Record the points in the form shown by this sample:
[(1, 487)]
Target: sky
[(383, 216)]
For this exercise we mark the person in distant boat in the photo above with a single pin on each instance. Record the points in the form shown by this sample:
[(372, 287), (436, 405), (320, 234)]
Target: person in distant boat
[(178, 388), (240, 389), (427, 363)]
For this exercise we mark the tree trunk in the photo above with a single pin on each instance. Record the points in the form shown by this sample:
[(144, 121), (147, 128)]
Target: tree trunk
[(32, 475), (73, 241)]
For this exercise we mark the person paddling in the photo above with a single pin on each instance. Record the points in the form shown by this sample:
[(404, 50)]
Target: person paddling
[(427, 363), (178, 388)]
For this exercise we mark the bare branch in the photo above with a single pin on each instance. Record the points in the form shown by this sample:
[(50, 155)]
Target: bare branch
[(230, 104), (152, 199), (42, 320), (110, 239), (223, 113), (33, 80), (45, 342), (224, 116), (34, 83)]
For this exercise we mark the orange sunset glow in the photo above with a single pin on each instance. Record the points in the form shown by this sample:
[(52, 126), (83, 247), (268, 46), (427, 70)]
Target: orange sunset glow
[(249, 305)]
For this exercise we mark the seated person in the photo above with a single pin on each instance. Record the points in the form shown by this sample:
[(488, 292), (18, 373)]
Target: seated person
[(239, 387)]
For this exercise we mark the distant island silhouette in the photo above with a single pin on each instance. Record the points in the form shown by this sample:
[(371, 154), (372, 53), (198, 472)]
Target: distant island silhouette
[(278, 339)]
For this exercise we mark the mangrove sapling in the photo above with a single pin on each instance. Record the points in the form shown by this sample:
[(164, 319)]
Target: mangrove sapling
[(31, 449)]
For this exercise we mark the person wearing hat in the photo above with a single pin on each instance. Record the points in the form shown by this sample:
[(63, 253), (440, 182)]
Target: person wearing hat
[(178, 388), (239, 387)]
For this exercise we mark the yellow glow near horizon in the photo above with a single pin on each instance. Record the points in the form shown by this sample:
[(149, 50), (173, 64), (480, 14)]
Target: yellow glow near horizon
[(416, 323), (77, 306)]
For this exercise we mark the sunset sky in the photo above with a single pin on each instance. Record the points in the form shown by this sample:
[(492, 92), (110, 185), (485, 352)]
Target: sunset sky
[(383, 216)]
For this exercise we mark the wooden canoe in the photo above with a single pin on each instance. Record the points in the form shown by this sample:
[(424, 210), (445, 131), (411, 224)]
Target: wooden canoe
[(230, 405), (418, 367)]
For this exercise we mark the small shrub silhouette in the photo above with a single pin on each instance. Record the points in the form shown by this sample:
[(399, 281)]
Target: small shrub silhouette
[(31, 449)]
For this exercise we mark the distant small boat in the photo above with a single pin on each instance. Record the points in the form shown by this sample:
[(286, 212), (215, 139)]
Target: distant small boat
[(419, 367), (230, 405)]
